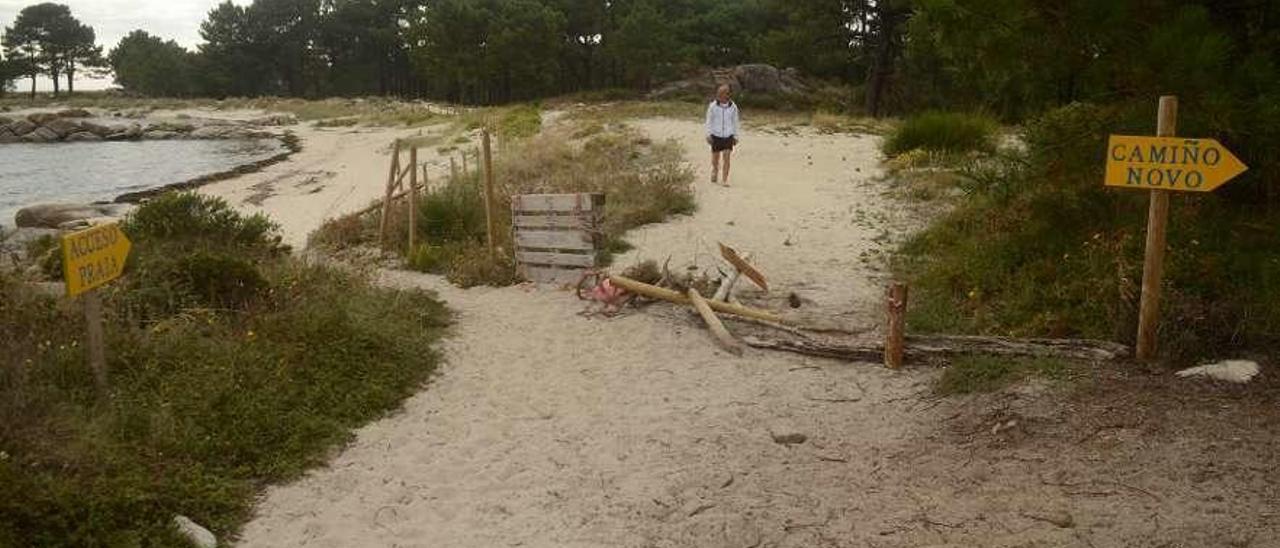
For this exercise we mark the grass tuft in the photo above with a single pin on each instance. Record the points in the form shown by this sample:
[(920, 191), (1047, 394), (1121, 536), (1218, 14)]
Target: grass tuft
[(972, 374), (943, 132)]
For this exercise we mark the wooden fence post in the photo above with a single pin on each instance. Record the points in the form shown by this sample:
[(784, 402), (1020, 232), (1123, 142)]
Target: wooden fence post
[(413, 198), (896, 325), (391, 185), (1153, 261), (489, 215)]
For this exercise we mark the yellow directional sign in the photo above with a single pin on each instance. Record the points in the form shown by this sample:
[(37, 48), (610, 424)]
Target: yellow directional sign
[(1170, 163), (93, 257)]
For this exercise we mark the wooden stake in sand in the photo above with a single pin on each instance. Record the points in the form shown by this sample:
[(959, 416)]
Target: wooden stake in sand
[(655, 292), (391, 188), (413, 198), (895, 331), (490, 216), (723, 337)]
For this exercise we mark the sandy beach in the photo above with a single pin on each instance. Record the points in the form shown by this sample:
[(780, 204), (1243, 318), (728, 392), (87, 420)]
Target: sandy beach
[(547, 428)]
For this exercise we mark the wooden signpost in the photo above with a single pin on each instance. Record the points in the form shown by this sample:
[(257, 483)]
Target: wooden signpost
[(1162, 164), (90, 259)]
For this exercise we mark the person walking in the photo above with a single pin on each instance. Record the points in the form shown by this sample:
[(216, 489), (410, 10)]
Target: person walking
[(722, 132)]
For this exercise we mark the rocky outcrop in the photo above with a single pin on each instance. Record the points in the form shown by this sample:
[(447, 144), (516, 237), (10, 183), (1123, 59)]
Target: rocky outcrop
[(48, 127), (64, 215), (22, 127), (125, 133), (63, 127), (41, 135), (753, 78), (83, 136)]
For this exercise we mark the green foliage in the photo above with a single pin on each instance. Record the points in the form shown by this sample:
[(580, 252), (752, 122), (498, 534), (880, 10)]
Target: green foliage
[(943, 131), (207, 405), (971, 374), (46, 39), (148, 65), (520, 122), (189, 216), (475, 265), (1040, 248)]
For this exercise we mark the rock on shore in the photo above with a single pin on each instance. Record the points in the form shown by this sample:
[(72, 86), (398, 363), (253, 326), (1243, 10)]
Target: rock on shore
[(72, 126), (67, 215)]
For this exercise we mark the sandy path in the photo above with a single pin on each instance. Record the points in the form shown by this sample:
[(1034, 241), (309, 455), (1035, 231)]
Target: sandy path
[(549, 429), (339, 170)]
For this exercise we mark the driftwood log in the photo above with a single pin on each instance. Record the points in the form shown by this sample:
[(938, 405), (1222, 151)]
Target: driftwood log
[(655, 292), (920, 347), (722, 335)]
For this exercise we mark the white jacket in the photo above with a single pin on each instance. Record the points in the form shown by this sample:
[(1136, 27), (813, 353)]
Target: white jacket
[(722, 120)]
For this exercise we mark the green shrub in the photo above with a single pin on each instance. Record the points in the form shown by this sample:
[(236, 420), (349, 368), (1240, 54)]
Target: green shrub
[(520, 122), (207, 405), (1040, 247), (220, 280), (474, 266), (453, 213), (943, 131), (188, 216)]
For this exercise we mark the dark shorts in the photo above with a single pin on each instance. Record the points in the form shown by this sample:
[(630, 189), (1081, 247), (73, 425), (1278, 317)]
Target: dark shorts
[(720, 144)]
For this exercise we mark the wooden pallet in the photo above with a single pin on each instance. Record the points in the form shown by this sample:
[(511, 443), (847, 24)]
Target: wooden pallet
[(557, 236)]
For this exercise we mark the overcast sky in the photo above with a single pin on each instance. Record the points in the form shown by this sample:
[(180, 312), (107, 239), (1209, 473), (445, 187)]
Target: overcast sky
[(177, 20)]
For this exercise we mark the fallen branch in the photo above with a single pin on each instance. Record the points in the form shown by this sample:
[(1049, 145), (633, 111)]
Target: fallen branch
[(743, 266), (656, 292), (726, 286), (726, 340), (923, 346)]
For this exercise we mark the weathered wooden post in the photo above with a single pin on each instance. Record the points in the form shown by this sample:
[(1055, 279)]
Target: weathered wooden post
[(489, 215), (413, 198), (1153, 261), (895, 325), (391, 185), (95, 340)]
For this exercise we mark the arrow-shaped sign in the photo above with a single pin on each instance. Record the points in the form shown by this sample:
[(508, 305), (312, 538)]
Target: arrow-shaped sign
[(93, 257), (1170, 163)]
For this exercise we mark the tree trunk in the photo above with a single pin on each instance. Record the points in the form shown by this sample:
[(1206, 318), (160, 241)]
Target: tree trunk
[(889, 20), (71, 76), (33, 86)]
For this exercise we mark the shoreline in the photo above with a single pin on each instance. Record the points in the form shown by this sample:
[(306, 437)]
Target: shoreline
[(292, 144)]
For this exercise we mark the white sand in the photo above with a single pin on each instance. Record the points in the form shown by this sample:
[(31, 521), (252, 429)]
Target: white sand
[(338, 171), (549, 429)]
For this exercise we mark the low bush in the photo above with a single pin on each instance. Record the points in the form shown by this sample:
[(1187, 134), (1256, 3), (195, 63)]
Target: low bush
[(943, 131), (1039, 247), (258, 368)]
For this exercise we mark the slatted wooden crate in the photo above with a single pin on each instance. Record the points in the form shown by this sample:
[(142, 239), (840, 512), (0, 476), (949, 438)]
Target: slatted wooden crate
[(557, 236)]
